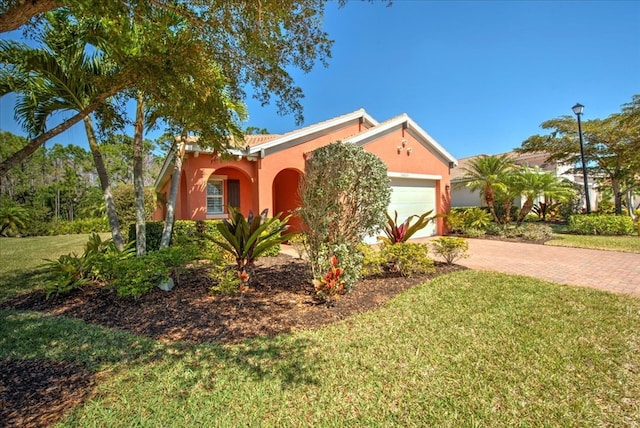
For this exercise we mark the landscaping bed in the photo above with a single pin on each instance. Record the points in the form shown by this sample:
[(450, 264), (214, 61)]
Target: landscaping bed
[(283, 300)]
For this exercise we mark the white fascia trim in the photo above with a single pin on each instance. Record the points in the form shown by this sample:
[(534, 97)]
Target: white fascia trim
[(413, 176), (366, 135), (192, 148), (165, 166), (314, 128)]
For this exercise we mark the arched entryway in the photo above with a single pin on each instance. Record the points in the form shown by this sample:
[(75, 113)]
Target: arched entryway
[(228, 186), (285, 195)]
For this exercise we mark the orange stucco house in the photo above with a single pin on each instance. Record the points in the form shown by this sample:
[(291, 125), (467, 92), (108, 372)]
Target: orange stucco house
[(266, 173)]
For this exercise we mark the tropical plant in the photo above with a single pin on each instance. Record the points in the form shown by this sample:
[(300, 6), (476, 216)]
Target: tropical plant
[(532, 183), (13, 219), (252, 44), (396, 233), (71, 271), (247, 238), (60, 76), (486, 174), (543, 209), (331, 285)]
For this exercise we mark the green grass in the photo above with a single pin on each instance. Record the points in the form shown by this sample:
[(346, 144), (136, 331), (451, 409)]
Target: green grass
[(22, 257), (629, 244), (467, 349)]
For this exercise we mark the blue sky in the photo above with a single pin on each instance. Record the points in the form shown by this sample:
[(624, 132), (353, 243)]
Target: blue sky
[(478, 76)]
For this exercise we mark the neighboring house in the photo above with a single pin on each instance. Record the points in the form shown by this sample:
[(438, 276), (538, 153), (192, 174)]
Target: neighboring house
[(267, 172), (461, 196)]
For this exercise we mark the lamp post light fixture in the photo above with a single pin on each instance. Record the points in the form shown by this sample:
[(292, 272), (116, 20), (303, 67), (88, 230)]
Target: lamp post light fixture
[(577, 110)]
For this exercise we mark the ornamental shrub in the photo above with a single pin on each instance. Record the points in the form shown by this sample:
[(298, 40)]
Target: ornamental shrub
[(600, 224), (199, 233), (248, 238), (450, 248), (139, 275), (344, 197), (536, 232), (408, 258), (372, 260)]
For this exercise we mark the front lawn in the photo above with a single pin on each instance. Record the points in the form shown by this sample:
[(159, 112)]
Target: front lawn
[(629, 244), (466, 349), (22, 259)]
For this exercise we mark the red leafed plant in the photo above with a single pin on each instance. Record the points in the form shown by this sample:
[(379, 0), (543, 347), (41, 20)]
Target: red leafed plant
[(401, 232), (330, 286)]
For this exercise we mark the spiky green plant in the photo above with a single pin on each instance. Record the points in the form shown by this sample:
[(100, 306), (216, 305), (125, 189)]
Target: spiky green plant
[(247, 238)]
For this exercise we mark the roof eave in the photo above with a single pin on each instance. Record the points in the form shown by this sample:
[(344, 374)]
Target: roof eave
[(358, 114)]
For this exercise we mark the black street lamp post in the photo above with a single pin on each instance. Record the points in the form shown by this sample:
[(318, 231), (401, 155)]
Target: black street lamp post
[(577, 109)]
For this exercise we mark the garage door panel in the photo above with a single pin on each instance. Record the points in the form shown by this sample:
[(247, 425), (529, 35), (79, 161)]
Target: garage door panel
[(413, 197)]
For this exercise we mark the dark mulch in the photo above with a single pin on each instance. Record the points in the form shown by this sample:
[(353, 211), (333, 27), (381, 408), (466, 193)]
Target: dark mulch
[(282, 300)]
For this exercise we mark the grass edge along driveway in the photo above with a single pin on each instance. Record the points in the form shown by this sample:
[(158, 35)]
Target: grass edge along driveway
[(467, 349)]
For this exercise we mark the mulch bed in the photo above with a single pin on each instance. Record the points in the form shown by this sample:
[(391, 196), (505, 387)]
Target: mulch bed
[(36, 393)]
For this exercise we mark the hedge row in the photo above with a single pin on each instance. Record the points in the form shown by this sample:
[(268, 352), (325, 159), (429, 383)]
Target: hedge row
[(66, 227), (600, 224)]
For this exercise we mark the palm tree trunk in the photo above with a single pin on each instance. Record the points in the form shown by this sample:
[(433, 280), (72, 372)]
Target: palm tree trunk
[(173, 195), (112, 215), (490, 199), (138, 179), (526, 208)]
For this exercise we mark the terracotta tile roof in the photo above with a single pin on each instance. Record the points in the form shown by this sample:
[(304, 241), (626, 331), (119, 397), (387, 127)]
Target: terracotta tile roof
[(256, 139)]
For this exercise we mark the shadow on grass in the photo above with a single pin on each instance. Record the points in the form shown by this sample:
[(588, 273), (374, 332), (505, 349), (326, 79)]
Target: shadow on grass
[(43, 341), (16, 282), (32, 335)]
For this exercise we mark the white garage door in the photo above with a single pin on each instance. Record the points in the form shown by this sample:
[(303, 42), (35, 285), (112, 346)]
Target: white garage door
[(410, 196)]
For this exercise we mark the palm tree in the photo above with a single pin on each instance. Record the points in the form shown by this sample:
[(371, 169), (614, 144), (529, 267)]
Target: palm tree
[(533, 183), (486, 174), (60, 76)]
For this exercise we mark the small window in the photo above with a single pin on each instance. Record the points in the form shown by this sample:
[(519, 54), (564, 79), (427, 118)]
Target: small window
[(215, 197)]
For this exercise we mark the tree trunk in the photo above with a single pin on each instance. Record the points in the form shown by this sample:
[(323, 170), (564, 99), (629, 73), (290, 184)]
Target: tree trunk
[(617, 196), (112, 215), (490, 199), (506, 206), (526, 209), (173, 195), (630, 203), (138, 179)]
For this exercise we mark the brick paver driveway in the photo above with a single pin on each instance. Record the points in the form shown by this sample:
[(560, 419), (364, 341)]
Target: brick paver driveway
[(606, 270)]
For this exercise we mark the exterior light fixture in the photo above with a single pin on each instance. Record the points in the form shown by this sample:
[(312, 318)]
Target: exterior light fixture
[(577, 110)]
